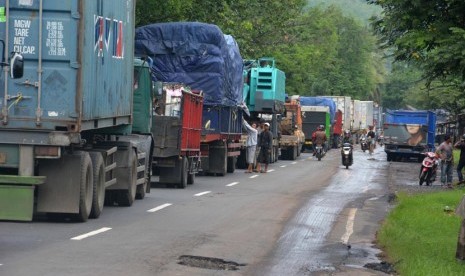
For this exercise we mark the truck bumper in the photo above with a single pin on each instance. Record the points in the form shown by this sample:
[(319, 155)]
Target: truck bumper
[(17, 196)]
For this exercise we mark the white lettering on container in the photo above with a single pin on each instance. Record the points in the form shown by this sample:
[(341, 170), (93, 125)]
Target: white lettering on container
[(55, 37), (21, 30)]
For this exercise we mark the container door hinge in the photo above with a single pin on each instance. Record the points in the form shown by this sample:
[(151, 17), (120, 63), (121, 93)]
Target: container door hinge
[(76, 15)]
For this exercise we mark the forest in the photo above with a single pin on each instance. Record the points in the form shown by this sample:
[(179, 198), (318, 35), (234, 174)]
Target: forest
[(381, 50)]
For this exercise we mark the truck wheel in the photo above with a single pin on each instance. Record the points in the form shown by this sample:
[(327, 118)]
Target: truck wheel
[(127, 197), (241, 162), (184, 169), (294, 153), (98, 193), (86, 188), (141, 189), (190, 178), (231, 164)]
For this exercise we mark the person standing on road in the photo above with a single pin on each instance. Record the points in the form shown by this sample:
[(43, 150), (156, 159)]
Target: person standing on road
[(265, 142), (461, 146), (252, 133), (371, 139), (447, 160)]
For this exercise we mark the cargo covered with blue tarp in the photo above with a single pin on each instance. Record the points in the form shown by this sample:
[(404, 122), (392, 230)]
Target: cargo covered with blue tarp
[(196, 54), (409, 133), (320, 101)]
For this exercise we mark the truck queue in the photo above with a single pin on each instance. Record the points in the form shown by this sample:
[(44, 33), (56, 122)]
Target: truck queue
[(88, 125)]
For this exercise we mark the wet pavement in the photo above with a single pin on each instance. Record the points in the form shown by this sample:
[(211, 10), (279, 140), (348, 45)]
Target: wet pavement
[(304, 247)]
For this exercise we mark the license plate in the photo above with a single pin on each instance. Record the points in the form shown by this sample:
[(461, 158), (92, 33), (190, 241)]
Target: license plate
[(2, 158)]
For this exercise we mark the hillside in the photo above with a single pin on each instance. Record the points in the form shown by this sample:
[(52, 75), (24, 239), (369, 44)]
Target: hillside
[(353, 8)]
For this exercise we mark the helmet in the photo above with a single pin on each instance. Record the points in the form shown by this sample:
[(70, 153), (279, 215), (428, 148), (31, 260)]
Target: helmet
[(346, 133), (322, 127)]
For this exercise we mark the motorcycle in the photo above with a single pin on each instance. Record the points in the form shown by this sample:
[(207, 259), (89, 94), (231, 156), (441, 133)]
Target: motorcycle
[(428, 169), (319, 152), (364, 144), (347, 157), (381, 140)]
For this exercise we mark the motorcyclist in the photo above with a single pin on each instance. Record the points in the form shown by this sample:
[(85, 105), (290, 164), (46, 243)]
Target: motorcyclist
[(320, 136), (347, 139)]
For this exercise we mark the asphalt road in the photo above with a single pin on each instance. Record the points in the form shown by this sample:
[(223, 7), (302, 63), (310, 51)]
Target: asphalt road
[(303, 217)]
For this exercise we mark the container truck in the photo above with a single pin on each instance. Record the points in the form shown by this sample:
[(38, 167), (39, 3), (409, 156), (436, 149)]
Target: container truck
[(408, 134), (176, 129), (200, 56), (343, 104), (70, 137), (366, 114)]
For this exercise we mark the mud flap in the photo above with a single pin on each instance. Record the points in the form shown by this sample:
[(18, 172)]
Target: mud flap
[(60, 193)]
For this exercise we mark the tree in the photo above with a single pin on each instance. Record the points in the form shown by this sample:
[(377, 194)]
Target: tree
[(429, 33)]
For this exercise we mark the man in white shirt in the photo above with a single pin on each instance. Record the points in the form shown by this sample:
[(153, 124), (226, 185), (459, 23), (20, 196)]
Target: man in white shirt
[(251, 144)]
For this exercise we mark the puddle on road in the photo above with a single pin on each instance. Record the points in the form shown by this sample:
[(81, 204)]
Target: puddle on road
[(208, 263), (300, 246)]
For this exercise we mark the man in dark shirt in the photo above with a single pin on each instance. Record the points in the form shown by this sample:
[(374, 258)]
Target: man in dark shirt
[(265, 142)]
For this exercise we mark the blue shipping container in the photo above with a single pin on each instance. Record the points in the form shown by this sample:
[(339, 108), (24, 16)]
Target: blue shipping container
[(75, 54)]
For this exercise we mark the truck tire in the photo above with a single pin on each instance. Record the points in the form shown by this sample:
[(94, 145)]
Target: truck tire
[(184, 172), (141, 190), (98, 193), (231, 164), (294, 153), (127, 197), (241, 162), (190, 178), (85, 188)]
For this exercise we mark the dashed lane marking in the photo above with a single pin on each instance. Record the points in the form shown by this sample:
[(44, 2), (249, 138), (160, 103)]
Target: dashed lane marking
[(283, 166), (253, 176), (272, 170), (153, 210), (349, 226), (293, 163), (232, 184), (203, 193), (90, 234)]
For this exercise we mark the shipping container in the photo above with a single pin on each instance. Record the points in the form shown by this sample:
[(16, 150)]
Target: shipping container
[(343, 103), (366, 114), (67, 123)]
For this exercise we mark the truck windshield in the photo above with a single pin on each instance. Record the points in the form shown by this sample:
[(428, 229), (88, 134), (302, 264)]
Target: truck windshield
[(408, 134)]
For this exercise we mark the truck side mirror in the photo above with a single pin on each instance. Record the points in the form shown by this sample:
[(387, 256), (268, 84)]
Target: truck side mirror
[(17, 65)]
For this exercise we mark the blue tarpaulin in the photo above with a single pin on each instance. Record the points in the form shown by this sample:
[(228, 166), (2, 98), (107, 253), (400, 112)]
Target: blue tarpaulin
[(320, 101), (196, 54)]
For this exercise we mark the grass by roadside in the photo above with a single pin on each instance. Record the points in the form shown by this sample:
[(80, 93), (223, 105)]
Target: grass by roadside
[(420, 238)]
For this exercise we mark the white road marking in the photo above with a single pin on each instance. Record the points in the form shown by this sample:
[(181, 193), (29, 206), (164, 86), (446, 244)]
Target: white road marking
[(272, 170), (159, 207), (203, 193), (93, 233), (253, 176), (283, 166), (293, 163), (349, 226), (232, 184)]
